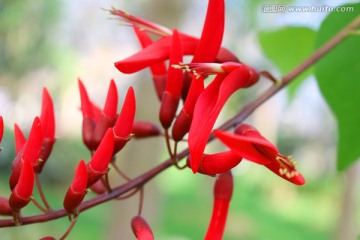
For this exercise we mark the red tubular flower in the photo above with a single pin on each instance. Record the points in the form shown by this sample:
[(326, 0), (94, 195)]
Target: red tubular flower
[(141, 228), (123, 125), (21, 194), (208, 107), (20, 139), (5, 208), (89, 122), (108, 116), (158, 70), (77, 190), (30, 152), (223, 190), (217, 163), (47, 119), (250, 144), (183, 120), (143, 129), (171, 96), (98, 165)]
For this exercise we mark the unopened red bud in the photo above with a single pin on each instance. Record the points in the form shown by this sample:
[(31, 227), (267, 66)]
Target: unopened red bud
[(5, 208), (19, 137), (143, 129), (169, 105), (108, 116), (47, 238), (141, 229), (98, 187), (181, 125), (125, 121), (77, 190), (223, 190), (21, 194), (98, 165), (1, 127)]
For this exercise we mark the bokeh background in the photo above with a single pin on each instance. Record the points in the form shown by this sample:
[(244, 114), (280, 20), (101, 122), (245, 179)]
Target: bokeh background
[(52, 43)]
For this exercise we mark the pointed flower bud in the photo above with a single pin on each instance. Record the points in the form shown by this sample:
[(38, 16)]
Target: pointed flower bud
[(19, 137), (223, 190), (47, 119), (144, 129), (21, 194), (108, 116), (98, 187), (77, 190), (1, 128), (171, 96), (217, 163), (98, 165), (141, 229), (123, 125), (5, 208), (251, 145)]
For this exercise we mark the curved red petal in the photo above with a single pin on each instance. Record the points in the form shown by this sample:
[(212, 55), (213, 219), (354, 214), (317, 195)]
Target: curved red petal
[(34, 143), (1, 127), (25, 185), (212, 33), (86, 106), (212, 164), (20, 139), (47, 116), (80, 180)]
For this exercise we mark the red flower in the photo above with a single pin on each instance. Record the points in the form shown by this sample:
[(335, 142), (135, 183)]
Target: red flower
[(143, 129), (250, 144), (77, 190), (205, 49), (141, 228), (21, 194), (19, 137), (208, 107), (1, 128), (171, 96), (98, 165), (223, 190)]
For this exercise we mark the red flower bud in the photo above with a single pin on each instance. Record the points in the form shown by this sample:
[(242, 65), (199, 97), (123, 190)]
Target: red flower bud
[(141, 229), (77, 190), (47, 238), (5, 208), (123, 125), (30, 152), (21, 194), (1, 127), (98, 165), (171, 96), (108, 116), (143, 129), (98, 187), (223, 190)]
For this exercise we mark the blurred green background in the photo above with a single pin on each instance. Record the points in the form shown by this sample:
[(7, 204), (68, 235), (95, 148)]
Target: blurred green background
[(52, 43)]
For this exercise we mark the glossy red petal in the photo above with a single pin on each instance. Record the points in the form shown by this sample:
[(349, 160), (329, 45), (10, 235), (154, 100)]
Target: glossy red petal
[(126, 117), (20, 139), (157, 52), (22, 192), (5, 208), (225, 55), (296, 178), (212, 34), (207, 109), (103, 154), (47, 116), (80, 180), (174, 80), (86, 106), (34, 143), (111, 102), (245, 146), (144, 129), (212, 164)]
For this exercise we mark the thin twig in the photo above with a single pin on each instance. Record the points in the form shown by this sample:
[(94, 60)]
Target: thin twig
[(41, 193)]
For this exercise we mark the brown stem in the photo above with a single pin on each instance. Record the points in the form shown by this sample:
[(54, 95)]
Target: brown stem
[(117, 169), (38, 205), (246, 111), (71, 226), (41, 193)]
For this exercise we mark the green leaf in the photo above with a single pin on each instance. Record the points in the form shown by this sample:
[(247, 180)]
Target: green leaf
[(338, 77), (287, 47)]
